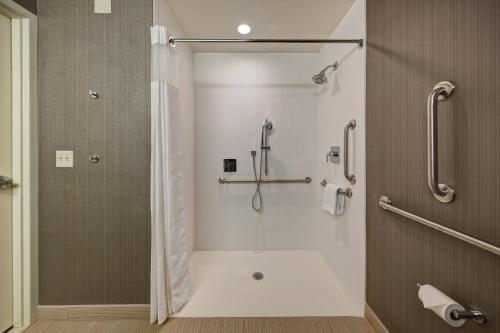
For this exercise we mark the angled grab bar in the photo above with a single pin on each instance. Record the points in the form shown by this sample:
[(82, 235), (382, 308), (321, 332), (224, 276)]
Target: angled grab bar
[(350, 177), (442, 192), (386, 204)]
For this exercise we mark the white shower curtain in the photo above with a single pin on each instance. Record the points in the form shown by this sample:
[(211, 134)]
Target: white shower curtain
[(170, 283)]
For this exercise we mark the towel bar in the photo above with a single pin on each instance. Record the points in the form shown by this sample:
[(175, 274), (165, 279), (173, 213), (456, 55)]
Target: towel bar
[(345, 191), (386, 204)]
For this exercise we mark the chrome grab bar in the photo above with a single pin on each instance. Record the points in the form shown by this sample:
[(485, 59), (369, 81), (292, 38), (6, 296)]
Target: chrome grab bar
[(442, 192), (223, 180), (386, 204), (350, 177), (345, 191)]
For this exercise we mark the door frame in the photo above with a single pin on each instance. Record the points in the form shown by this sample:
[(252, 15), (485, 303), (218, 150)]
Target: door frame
[(24, 162)]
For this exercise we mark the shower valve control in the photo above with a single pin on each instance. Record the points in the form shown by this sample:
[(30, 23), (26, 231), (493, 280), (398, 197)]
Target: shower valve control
[(229, 165), (333, 156), (94, 159)]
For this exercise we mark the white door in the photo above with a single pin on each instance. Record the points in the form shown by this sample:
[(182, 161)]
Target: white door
[(5, 173)]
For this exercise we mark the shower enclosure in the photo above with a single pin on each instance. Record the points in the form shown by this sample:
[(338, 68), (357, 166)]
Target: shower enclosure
[(255, 229)]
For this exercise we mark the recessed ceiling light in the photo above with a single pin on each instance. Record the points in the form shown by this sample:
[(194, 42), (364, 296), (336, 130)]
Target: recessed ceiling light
[(244, 29)]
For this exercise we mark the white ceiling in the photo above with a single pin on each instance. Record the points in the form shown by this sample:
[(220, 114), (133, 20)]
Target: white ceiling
[(268, 19)]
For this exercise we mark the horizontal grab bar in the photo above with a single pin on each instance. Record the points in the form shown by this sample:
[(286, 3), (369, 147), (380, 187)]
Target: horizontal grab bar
[(223, 180), (345, 191), (386, 204)]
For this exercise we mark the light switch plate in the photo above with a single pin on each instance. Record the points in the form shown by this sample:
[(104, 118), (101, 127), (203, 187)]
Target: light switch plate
[(102, 6), (64, 158)]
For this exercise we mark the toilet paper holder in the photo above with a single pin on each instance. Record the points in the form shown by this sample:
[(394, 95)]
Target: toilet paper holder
[(472, 312)]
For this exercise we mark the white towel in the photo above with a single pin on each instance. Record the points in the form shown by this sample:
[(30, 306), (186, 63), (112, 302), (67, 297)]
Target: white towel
[(330, 198), (333, 202), (339, 207)]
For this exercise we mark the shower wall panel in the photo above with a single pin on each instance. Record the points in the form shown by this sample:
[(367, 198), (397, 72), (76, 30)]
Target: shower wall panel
[(234, 93), (94, 227), (342, 239)]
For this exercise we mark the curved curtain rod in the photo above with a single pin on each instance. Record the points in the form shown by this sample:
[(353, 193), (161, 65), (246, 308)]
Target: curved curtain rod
[(173, 40)]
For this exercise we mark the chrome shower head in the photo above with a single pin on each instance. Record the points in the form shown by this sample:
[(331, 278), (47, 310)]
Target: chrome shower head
[(320, 78)]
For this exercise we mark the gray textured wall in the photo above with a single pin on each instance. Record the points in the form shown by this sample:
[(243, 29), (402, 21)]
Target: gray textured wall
[(412, 45), (94, 218)]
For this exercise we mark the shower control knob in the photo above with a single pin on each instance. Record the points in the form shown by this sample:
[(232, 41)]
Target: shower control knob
[(94, 94), (94, 159), (333, 155)]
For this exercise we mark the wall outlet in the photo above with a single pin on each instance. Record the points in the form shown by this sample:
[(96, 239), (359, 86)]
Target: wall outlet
[(102, 6), (64, 158)]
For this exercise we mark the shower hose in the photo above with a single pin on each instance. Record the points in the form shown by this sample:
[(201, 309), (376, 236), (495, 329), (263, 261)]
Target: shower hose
[(257, 196)]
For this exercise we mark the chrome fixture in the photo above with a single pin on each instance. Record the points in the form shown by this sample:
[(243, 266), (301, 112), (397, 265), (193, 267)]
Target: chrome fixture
[(442, 192), (386, 204), (267, 127), (223, 180), (333, 155), (345, 191), (94, 158), (94, 94), (264, 144), (350, 177), (5, 182), (174, 40), (320, 78), (473, 312)]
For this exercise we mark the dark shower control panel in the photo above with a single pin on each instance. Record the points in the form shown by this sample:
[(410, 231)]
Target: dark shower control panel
[(229, 165)]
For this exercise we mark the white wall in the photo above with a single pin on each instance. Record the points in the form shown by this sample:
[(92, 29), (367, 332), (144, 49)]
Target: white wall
[(234, 93), (342, 239), (181, 76)]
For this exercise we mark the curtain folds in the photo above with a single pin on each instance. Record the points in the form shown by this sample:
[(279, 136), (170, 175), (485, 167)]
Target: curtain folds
[(170, 283)]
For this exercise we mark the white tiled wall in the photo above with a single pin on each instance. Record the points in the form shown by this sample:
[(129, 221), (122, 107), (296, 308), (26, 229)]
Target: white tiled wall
[(234, 93), (342, 239)]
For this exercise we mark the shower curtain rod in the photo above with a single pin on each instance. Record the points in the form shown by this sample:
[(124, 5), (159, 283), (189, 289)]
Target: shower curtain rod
[(174, 40)]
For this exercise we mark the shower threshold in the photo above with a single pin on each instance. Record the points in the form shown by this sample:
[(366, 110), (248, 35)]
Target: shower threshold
[(293, 284)]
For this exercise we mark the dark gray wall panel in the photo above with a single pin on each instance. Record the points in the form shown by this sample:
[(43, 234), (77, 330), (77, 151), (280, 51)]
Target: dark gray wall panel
[(412, 45), (28, 4), (94, 218)]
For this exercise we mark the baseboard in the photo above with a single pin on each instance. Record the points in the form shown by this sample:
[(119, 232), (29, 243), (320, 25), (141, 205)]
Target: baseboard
[(376, 323), (93, 312), (19, 329)]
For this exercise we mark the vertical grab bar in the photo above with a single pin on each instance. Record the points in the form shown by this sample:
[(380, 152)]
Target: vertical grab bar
[(350, 177), (442, 192)]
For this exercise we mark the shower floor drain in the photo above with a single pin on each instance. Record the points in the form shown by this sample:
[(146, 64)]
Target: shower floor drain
[(258, 276)]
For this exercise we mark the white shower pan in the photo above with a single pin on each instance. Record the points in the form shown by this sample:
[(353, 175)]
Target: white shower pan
[(295, 283)]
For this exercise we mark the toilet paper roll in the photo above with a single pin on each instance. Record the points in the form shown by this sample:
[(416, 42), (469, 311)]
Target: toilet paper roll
[(442, 305)]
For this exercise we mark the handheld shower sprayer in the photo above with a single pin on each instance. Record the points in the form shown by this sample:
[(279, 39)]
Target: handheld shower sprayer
[(264, 149), (266, 129)]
